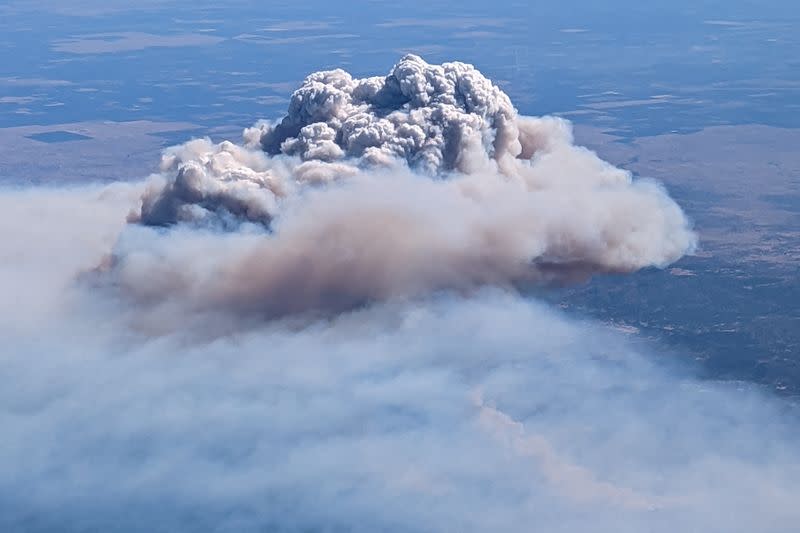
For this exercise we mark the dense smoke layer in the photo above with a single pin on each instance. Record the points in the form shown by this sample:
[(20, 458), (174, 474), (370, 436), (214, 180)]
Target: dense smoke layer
[(441, 413), (396, 186), (322, 329), (397, 235)]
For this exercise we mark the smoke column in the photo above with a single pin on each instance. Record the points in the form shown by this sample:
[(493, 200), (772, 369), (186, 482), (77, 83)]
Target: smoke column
[(324, 328), (369, 189)]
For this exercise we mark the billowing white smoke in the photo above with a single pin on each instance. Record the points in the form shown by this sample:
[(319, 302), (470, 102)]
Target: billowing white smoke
[(443, 413), (422, 180), (328, 336), (435, 117)]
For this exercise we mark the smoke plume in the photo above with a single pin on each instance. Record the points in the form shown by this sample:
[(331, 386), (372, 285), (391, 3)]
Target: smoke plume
[(368, 189), (322, 329)]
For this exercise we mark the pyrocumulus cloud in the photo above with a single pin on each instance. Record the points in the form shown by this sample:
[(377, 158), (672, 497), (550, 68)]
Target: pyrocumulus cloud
[(422, 180)]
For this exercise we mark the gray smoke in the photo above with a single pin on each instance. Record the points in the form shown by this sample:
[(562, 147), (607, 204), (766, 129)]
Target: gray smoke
[(472, 413), (324, 332), (434, 117), (396, 186), (395, 234)]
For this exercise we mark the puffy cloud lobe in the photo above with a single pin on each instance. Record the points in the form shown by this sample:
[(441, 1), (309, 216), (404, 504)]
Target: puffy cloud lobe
[(210, 179), (429, 116)]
